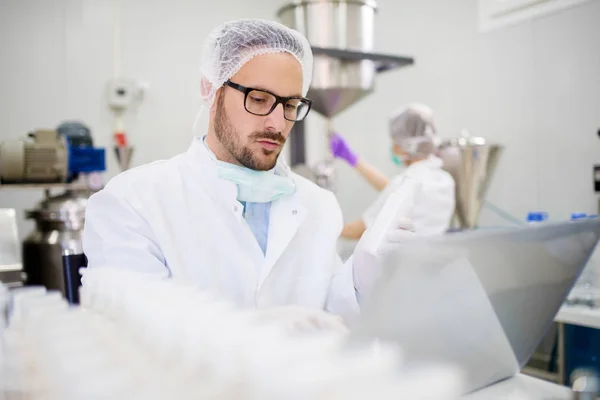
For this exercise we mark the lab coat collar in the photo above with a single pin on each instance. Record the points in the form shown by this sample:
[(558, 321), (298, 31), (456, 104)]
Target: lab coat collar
[(205, 169), (287, 214), (431, 162), (202, 159)]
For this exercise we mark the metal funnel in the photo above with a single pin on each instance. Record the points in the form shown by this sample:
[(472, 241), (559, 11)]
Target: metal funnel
[(341, 35), (124, 155), (471, 161), (343, 25), (337, 83), (330, 102)]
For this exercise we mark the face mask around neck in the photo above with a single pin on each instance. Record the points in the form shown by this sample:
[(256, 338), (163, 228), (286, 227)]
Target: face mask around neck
[(256, 186)]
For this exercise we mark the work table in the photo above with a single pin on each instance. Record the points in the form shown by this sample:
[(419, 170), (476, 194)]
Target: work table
[(522, 387), (579, 315)]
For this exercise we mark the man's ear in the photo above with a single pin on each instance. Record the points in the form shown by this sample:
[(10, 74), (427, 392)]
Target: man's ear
[(213, 106), (205, 87)]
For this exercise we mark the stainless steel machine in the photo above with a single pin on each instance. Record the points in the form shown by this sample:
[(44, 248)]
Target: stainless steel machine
[(41, 159), (11, 270), (58, 230), (50, 156), (343, 25), (341, 34), (62, 159), (471, 161)]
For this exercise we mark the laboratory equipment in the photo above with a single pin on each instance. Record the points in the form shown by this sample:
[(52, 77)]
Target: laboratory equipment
[(76, 133), (341, 34), (50, 156), (73, 264), (578, 215), (472, 162), (480, 299), (11, 270), (123, 151), (337, 83), (536, 216), (58, 229)]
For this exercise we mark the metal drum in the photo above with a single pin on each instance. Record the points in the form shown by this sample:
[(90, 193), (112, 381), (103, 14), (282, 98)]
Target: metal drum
[(59, 227), (336, 24)]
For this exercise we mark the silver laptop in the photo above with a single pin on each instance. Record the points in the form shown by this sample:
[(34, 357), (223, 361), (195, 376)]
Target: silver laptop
[(481, 300)]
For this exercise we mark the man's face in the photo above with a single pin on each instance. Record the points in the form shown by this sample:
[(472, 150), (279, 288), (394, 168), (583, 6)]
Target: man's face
[(256, 141)]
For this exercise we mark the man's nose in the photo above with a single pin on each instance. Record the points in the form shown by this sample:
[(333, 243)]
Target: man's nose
[(276, 121)]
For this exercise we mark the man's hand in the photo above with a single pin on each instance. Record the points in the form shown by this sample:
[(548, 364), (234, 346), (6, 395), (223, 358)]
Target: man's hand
[(404, 232), (367, 266)]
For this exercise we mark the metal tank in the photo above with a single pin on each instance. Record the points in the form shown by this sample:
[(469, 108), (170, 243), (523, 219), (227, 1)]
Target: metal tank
[(59, 226), (472, 162), (341, 35), (336, 24)]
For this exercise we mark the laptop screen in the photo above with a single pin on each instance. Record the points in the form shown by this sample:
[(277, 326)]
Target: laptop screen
[(481, 300)]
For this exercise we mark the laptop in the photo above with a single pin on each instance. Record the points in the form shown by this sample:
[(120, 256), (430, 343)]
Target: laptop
[(480, 300)]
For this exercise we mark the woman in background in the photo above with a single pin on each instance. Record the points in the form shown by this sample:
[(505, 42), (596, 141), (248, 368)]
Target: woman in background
[(414, 139)]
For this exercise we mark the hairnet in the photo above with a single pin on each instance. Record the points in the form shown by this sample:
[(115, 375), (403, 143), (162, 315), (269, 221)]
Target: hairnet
[(413, 129), (234, 43)]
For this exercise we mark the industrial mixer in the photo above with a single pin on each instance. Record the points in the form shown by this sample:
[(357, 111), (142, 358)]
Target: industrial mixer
[(341, 34), (62, 159)]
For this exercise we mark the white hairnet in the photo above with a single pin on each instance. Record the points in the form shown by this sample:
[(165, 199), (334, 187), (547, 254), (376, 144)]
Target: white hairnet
[(234, 43), (413, 129)]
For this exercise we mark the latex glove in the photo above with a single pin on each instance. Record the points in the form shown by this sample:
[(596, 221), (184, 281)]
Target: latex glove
[(367, 267), (297, 319), (404, 232), (341, 149)]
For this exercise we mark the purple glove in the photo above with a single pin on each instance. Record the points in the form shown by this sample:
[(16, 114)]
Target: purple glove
[(340, 149)]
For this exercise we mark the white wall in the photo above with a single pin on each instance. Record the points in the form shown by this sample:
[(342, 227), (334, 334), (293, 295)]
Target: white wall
[(534, 87)]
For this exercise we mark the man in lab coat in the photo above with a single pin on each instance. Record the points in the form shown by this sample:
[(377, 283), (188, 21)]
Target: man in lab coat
[(228, 214)]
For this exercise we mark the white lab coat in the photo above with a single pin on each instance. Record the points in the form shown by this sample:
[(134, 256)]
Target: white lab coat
[(177, 218), (434, 203)]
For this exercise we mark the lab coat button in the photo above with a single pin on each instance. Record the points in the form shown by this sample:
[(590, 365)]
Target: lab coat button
[(294, 212)]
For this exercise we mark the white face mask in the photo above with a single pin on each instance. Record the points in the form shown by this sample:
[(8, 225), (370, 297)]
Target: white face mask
[(256, 186)]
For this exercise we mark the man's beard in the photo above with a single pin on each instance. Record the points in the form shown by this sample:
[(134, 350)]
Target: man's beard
[(230, 140)]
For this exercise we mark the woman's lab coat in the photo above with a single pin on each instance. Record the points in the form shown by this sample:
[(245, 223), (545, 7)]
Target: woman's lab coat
[(434, 203), (177, 218)]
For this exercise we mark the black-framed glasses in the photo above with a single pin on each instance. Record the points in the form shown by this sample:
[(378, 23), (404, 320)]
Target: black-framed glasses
[(262, 102)]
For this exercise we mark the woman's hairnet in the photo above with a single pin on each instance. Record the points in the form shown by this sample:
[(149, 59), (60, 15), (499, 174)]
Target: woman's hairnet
[(234, 43), (413, 129)]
